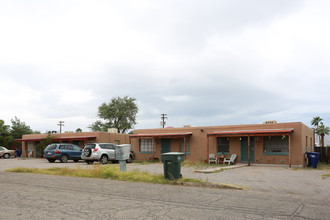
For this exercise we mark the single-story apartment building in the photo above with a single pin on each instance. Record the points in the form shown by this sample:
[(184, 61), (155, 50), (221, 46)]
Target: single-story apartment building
[(31, 148), (274, 143)]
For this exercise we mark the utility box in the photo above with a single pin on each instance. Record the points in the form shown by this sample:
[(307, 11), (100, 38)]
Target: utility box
[(122, 153), (172, 165)]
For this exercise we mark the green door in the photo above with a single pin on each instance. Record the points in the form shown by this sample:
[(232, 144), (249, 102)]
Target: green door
[(165, 145), (244, 149)]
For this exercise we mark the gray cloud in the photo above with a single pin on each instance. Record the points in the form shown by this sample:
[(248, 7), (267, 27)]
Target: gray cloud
[(202, 63)]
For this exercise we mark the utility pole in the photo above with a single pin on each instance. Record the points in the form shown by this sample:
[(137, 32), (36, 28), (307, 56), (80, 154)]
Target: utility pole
[(163, 117), (60, 123)]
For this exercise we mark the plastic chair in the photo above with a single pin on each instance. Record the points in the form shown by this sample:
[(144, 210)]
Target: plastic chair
[(231, 160)]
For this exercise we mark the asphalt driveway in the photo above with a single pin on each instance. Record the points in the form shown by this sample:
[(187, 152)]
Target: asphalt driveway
[(280, 180)]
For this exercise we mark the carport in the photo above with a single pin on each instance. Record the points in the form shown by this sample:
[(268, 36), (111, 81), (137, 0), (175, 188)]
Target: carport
[(249, 134), (162, 136), (66, 139)]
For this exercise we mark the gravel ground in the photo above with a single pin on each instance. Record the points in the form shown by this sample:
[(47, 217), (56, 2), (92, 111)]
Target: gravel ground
[(307, 182)]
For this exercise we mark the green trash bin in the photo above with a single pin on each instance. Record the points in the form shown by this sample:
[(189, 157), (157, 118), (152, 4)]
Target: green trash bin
[(172, 165)]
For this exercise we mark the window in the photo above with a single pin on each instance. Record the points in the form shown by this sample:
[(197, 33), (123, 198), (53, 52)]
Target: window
[(146, 145), (75, 147), (187, 145), (223, 145), (107, 146), (276, 144), (69, 147)]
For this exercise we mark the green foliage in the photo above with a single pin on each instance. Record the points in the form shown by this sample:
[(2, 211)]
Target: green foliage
[(322, 130), (5, 136), (18, 128), (119, 113), (45, 142), (78, 130), (316, 121)]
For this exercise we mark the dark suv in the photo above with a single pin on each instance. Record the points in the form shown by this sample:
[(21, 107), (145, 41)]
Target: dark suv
[(62, 152)]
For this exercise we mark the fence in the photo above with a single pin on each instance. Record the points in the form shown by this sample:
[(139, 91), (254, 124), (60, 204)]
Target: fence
[(323, 156)]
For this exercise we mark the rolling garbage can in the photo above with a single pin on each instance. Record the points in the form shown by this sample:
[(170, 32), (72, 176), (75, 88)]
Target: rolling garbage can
[(18, 153), (172, 165), (313, 159)]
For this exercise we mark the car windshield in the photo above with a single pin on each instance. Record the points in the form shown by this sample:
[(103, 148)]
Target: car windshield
[(51, 147), (92, 146)]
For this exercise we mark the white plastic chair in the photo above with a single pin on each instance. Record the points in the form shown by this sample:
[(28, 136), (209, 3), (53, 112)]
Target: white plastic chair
[(231, 160), (213, 159)]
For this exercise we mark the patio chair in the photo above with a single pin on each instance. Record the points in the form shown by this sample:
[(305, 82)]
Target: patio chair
[(231, 160), (213, 159)]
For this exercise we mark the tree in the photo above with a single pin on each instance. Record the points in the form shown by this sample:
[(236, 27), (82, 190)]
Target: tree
[(18, 128), (322, 131), (5, 136), (78, 130), (316, 121), (44, 143), (119, 113)]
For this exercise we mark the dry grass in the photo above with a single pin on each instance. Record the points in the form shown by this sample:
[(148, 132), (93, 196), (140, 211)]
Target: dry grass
[(114, 173)]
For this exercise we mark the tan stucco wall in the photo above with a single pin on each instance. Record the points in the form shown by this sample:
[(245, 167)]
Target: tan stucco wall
[(198, 142)]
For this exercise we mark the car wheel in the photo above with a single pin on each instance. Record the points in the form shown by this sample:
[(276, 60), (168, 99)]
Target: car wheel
[(89, 161), (51, 161), (6, 156), (129, 160), (104, 159), (87, 152), (64, 158), (75, 161)]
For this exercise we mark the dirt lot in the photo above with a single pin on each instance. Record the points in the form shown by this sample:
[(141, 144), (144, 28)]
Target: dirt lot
[(282, 180)]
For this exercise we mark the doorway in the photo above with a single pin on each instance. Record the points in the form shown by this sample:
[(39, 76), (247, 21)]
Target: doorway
[(244, 149)]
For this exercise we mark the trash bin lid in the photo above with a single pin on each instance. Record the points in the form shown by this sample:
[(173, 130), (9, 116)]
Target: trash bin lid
[(173, 153)]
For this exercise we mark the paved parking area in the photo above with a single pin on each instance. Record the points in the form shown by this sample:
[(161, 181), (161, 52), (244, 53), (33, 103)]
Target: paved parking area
[(281, 180)]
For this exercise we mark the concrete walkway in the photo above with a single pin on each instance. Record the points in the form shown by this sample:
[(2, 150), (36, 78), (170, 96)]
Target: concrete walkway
[(215, 169)]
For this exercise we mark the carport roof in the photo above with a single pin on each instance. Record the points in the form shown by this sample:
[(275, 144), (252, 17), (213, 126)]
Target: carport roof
[(264, 132), (75, 138), (162, 135)]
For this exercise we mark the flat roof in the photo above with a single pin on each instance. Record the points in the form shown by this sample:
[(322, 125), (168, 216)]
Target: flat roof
[(161, 135), (263, 132)]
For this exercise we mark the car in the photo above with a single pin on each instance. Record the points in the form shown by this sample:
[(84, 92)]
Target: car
[(62, 152), (5, 153), (102, 152)]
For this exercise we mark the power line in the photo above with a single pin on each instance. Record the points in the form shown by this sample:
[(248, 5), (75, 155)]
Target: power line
[(163, 117), (60, 123)]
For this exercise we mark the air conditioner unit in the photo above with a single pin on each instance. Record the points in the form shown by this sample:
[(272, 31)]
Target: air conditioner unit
[(270, 122), (112, 130)]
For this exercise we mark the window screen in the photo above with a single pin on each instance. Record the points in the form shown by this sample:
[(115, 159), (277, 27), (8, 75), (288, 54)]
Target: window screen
[(223, 144), (276, 144)]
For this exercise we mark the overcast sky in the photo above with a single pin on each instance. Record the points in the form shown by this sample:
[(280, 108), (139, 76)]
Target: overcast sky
[(203, 63)]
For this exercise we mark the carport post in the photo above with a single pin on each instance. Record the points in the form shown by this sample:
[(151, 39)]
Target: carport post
[(249, 150), (207, 148), (153, 148), (290, 150), (184, 143)]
